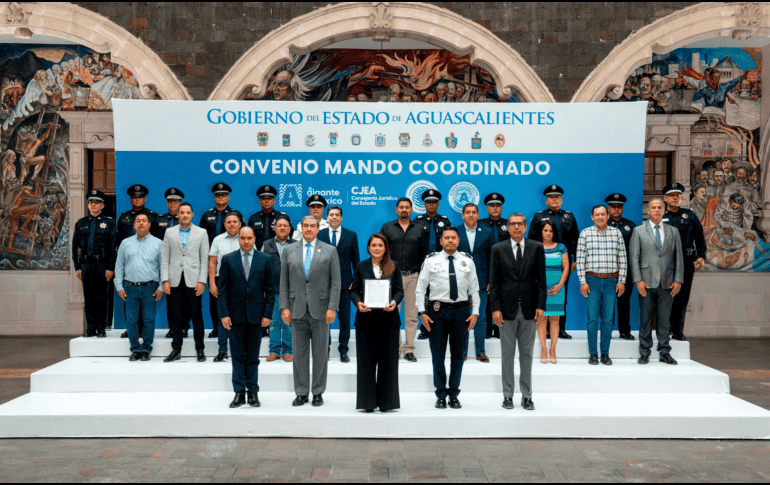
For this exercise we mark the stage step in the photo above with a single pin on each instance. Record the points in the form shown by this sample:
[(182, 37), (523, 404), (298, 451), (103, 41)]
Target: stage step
[(577, 348), (113, 374), (557, 415)]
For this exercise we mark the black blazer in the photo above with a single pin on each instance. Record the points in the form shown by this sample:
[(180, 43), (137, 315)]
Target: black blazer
[(242, 301), (364, 271), (347, 250), (508, 285)]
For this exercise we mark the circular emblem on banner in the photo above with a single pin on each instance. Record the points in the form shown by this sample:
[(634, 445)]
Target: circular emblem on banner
[(499, 140), (463, 193), (414, 193)]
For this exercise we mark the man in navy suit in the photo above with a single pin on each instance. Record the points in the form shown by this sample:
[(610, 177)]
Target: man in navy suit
[(477, 241), (346, 242), (245, 303)]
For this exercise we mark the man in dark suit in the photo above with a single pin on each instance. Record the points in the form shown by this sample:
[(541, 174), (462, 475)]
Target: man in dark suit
[(245, 303), (477, 241), (517, 291), (346, 242)]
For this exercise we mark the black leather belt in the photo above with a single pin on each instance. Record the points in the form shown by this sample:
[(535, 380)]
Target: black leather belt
[(450, 306), (146, 283), (407, 273)]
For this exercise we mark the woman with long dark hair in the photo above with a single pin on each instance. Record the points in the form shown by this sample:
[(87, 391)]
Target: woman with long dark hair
[(556, 274), (377, 331)]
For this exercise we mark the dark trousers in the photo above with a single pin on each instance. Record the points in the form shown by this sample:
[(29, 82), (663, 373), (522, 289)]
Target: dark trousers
[(563, 318), (623, 310), (451, 325), (170, 314), (186, 306), (679, 308), (111, 295), (344, 318), (216, 323), (377, 364), (492, 329), (95, 286), (658, 302), (245, 340)]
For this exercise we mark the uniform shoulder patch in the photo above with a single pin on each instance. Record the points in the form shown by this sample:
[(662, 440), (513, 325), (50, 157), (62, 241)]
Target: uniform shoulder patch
[(464, 254)]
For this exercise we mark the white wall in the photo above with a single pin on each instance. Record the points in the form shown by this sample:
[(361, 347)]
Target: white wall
[(35, 303), (729, 305)]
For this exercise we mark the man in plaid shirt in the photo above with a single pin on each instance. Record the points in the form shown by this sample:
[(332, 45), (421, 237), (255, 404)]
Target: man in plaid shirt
[(602, 267)]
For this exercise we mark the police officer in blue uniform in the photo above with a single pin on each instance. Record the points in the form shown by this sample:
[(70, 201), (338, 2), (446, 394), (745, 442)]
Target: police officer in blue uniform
[(174, 198), (138, 194), (616, 204), (433, 225), (213, 221), (263, 222), (93, 253), (693, 250), (499, 227), (568, 235)]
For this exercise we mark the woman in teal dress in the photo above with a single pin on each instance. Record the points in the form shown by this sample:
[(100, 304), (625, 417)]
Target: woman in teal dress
[(556, 274)]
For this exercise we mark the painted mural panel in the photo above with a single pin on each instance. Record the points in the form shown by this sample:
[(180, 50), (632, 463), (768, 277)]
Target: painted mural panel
[(723, 84), (35, 82), (405, 76)]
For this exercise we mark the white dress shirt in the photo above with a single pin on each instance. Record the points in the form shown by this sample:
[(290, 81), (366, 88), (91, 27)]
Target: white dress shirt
[(662, 232), (377, 270), (513, 245), (435, 273), (331, 235), (471, 234)]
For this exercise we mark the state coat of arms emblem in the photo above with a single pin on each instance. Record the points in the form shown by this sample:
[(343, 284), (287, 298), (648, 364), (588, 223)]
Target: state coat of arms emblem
[(499, 140), (451, 140), (476, 142), (262, 138), (426, 142), (355, 140), (379, 140), (286, 140), (310, 140), (403, 139), (333, 139)]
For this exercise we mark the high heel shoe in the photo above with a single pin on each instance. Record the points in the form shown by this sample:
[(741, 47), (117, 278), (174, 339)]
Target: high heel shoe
[(553, 359), (543, 360)]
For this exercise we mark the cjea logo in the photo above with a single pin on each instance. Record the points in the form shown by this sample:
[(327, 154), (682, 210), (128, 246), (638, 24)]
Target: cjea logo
[(414, 193), (290, 195), (463, 193)]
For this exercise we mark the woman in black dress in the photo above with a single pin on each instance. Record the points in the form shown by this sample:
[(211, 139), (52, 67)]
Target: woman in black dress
[(377, 331)]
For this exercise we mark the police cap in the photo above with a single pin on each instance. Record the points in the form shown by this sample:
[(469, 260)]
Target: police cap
[(316, 199), (494, 198), (96, 195), (673, 187), (138, 190), (174, 194), (616, 198), (221, 188), (431, 194), (553, 190), (266, 191)]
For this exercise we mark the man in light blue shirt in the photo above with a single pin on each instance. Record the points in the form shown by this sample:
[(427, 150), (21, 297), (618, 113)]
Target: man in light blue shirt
[(137, 280)]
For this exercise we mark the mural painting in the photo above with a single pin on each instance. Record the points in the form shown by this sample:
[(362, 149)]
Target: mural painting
[(723, 86), (36, 82), (405, 76)]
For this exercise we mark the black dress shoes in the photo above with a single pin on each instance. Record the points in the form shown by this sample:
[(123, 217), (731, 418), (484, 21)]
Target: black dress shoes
[(299, 401), (627, 336), (643, 360), (563, 334), (410, 357), (213, 334), (254, 400), (220, 357), (344, 358), (201, 355), (454, 403), (174, 355), (318, 401), (606, 359), (169, 334), (185, 333), (124, 334), (89, 333), (368, 410), (527, 404), (145, 356), (441, 403), (679, 336), (422, 336), (238, 401), (667, 359), (507, 403), (593, 359), (135, 356), (101, 334)]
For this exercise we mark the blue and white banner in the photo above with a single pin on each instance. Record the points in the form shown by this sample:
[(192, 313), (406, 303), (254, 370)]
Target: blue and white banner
[(365, 156)]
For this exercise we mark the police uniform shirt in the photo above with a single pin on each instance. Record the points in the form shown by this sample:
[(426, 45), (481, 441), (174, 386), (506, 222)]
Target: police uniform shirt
[(566, 224), (209, 221), (298, 232), (126, 224), (435, 273), (263, 224), (499, 228), (690, 231), (626, 228), (437, 223), (102, 247), (166, 221)]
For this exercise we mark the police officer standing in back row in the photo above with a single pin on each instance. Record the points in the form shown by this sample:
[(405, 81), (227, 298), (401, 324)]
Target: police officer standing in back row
[(568, 235), (499, 227), (138, 194), (168, 220), (93, 252), (693, 251), (433, 225), (213, 221), (263, 222), (616, 205)]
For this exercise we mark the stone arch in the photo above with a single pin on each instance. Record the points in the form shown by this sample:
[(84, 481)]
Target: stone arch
[(381, 21), (698, 22), (77, 24)]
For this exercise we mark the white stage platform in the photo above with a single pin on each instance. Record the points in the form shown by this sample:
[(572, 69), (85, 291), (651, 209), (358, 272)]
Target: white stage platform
[(99, 393)]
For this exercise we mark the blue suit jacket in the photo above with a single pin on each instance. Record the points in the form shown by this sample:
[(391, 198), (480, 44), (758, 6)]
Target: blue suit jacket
[(482, 251), (347, 250), (246, 302)]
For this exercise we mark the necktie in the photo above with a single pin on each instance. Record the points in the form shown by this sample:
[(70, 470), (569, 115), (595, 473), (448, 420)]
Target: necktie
[(519, 256), (173, 221), (557, 224), (246, 265), (658, 241), (432, 239), (496, 230), (452, 279), (308, 255), (334, 238), (91, 237), (218, 229)]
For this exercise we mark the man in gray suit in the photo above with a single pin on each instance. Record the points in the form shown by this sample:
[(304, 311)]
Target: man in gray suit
[(658, 271), (184, 269), (309, 299)]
